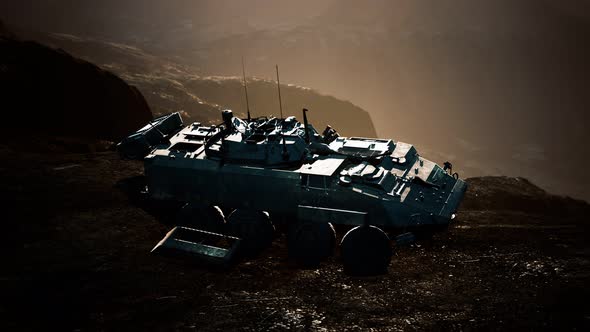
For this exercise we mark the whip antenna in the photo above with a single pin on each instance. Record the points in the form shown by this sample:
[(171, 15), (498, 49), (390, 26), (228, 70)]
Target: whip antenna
[(279, 87), (246, 90)]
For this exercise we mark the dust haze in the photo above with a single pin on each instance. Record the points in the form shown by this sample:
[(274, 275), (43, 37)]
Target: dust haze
[(497, 87)]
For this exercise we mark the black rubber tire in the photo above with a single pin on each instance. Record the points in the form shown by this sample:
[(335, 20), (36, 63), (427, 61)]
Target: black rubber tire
[(206, 217), (365, 251), (254, 228), (310, 243)]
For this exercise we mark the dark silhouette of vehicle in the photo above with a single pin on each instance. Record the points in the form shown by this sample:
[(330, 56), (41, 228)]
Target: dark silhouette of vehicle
[(271, 171)]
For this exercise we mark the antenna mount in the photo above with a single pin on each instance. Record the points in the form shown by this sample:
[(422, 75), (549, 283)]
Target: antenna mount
[(279, 87), (246, 90), (307, 139)]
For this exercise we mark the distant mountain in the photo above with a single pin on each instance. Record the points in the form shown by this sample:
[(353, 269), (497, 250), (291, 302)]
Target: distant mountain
[(48, 91), (169, 86)]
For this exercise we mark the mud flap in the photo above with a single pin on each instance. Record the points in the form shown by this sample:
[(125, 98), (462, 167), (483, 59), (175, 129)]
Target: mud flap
[(211, 248)]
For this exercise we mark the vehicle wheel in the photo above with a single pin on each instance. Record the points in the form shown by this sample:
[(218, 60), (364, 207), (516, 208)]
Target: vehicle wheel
[(310, 243), (366, 251), (206, 217), (254, 228)]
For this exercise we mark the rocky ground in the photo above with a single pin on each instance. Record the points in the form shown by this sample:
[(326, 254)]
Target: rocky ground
[(76, 257)]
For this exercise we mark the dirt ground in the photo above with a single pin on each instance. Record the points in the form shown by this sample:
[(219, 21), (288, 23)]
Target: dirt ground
[(76, 256)]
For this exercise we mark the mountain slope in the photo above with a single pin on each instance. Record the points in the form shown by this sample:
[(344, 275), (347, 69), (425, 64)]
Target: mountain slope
[(47, 91)]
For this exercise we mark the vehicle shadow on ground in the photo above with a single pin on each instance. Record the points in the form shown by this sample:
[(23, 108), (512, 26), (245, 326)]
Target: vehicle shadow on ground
[(135, 188)]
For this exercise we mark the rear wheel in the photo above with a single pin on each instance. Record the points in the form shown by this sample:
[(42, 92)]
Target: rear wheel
[(206, 217), (254, 228), (366, 251), (310, 243)]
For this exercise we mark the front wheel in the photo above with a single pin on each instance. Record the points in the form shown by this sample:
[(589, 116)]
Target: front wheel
[(254, 228), (206, 217), (366, 251), (310, 243)]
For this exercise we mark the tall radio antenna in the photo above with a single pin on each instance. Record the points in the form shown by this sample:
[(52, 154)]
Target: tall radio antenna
[(279, 87), (246, 90)]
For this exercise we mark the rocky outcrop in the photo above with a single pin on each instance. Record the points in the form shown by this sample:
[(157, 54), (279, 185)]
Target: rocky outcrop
[(495, 193), (48, 91)]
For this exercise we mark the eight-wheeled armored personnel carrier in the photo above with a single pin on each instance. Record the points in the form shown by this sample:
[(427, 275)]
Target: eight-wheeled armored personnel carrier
[(267, 171)]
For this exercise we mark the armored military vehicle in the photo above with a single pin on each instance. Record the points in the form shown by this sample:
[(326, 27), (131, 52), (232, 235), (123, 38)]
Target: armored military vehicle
[(271, 171)]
